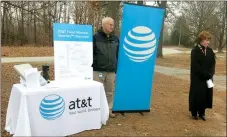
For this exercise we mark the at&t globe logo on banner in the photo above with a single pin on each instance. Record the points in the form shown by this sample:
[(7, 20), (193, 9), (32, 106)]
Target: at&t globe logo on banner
[(139, 44), (52, 107)]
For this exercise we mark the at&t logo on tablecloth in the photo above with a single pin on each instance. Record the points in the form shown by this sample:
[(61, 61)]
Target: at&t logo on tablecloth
[(52, 107), (139, 44)]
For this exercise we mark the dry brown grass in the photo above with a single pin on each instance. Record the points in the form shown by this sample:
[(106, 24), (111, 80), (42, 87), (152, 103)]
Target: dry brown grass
[(169, 114), (26, 51)]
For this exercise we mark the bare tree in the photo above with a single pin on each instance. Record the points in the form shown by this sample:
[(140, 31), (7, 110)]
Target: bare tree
[(140, 2), (31, 22), (219, 30), (3, 35), (113, 11), (162, 4), (205, 15), (34, 24)]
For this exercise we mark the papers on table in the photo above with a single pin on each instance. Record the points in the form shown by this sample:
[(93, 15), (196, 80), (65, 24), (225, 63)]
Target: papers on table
[(29, 76), (32, 78), (20, 69)]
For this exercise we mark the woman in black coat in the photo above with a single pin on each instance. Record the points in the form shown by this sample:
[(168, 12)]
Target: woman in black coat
[(202, 69)]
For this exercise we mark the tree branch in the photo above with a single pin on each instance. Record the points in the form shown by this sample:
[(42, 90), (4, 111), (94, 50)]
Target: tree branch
[(170, 11), (25, 10)]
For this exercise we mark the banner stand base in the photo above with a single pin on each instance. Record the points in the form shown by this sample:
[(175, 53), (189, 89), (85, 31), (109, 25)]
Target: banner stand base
[(131, 111)]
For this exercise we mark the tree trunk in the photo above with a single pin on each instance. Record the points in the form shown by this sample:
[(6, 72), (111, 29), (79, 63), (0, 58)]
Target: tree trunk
[(222, 33), (35, 39), (55, 12), (65, 12), (3, 24), (160, 55), (162, 4), (59, 17), (49, 25), (140, 2), (28, 23), (18, 26), (215, 43), (11, 24), (68, 7), (81, 13), (8, 26), (200, 26), (22, 26), (220, 47), (113, 12)]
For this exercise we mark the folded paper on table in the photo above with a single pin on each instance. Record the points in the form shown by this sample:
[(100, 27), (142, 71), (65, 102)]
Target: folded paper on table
[(25, 70), (21, 68), (29, 71), (32, 78), (210, 83)]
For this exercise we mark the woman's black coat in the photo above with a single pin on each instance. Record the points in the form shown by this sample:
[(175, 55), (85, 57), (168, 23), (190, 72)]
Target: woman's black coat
[(202, 69)]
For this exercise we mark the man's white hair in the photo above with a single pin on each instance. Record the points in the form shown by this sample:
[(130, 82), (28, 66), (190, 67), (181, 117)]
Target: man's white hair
[(104, 20)]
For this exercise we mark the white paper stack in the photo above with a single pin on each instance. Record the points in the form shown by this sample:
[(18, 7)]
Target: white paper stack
[(210, 84), (32, 78), (29, 76)]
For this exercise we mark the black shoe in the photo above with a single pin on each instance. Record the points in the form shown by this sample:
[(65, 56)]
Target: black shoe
[(203, 118), (195, 117)]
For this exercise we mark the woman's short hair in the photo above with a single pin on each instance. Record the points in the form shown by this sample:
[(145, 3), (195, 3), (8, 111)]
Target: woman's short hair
[(204, 35)]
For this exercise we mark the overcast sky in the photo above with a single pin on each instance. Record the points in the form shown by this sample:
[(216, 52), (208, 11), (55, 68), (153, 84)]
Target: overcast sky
[(176, 11)]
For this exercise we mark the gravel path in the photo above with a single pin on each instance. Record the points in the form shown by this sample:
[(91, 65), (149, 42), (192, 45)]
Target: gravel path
[(26, 59), (219, 81)]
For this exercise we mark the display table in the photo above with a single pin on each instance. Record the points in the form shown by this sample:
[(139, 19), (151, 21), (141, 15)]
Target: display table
[(58, 109)]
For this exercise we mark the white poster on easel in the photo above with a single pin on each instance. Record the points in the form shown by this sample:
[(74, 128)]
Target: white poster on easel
[(73, 51)]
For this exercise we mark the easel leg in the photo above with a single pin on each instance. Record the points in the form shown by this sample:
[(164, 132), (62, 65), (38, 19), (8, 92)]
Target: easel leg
[(122, 113), (142, 113)]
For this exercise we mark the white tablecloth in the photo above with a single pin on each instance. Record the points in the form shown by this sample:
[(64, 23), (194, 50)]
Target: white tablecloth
[(58, 109)]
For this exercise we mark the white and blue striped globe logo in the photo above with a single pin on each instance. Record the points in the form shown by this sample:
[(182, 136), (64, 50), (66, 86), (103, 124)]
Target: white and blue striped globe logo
[(52, 107), (139, 44)]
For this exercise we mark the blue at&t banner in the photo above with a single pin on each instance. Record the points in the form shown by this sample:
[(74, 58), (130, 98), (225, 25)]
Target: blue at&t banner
[(140, 32)]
